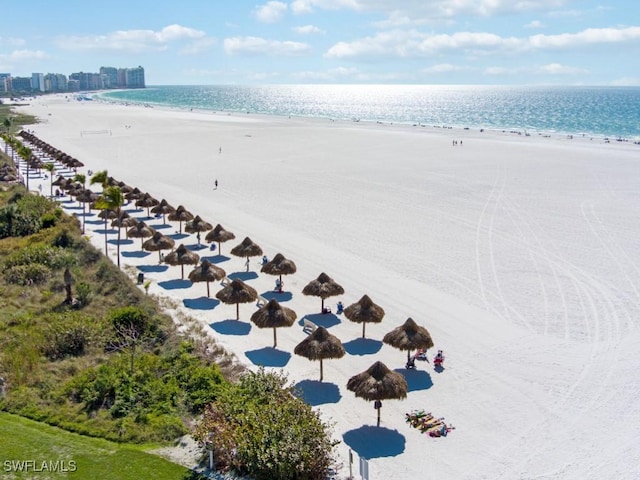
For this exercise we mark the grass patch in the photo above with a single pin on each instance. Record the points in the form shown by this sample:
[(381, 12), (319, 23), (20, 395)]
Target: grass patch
[(23, 440)]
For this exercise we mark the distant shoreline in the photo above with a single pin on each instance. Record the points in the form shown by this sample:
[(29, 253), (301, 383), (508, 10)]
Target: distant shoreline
[(399, 110)]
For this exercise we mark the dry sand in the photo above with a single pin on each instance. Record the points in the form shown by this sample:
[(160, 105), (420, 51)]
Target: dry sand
[(518, 253)]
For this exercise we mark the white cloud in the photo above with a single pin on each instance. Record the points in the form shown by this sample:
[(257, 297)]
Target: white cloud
[(261, 46), (443, 68), (130, 40), (559, 69), (534, 24), (415, 44), (307, 30), (12, 41), (589, 36), (20, 55), (270, 12)]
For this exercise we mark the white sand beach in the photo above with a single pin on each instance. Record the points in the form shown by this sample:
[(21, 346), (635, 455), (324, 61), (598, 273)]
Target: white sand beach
[(519, 254)]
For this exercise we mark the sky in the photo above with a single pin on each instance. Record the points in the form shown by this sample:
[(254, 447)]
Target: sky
[(240, 42)]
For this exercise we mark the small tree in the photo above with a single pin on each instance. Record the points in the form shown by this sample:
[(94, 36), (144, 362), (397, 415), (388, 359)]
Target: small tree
[(111, 199), (51, 168), (132, 328)]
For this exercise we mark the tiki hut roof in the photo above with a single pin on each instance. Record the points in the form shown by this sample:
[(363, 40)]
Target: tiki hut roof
[(158, 242), (140, 230), (273, 315), (320, 345), (207, 272), (246, 249), (237, 292), (182, 256), (364, 311), (324, 286), (180, 214), (279, 265), (197, 225), (409, 336), (378, 383), (162, 208)]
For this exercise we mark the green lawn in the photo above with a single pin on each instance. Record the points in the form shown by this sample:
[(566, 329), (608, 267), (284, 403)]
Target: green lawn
[(23, 440)]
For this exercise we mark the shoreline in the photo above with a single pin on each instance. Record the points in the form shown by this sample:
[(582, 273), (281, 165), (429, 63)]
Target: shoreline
[(616, 137), (516, 253)]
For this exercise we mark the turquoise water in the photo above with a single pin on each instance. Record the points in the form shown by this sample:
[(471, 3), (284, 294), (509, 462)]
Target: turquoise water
[(601, 111)]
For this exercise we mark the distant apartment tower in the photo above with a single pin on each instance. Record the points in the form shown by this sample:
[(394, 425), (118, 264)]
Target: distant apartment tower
[(55, 82), (87, 81), (20, 85), (131, 77), (109, 77), (37, 82), (4, 82)]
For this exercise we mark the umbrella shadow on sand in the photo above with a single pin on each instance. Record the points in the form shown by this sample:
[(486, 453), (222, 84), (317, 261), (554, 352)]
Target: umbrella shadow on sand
[(416, 379), (136, 254), (217, 258), (268, 357), (160, 226), (244, 276), (375, 442), (201, 303), (326, 320), (101, 231), (122, 241), (175, 284), (362, 346), (153, 268), (178, 236), (280, 297), (314, 392), (231, 327)]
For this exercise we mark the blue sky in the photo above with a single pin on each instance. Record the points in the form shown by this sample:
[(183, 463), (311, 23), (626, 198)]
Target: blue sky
[(213, 42)]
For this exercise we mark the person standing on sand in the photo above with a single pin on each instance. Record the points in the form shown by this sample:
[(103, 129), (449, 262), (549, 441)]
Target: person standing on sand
[(215, 184), (247, 264)]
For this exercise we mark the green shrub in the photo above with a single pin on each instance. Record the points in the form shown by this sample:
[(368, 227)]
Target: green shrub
[(31, 274), (68, 334), (52, 257), (259, 428), (83, 293), (64, 239), (48, 220)]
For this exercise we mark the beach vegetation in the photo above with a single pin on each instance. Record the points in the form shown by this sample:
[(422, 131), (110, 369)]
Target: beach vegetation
[(83, 348), (259, 428)]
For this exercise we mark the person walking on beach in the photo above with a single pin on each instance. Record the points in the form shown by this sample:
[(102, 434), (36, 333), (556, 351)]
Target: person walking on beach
[(215, 184), (246, 264)]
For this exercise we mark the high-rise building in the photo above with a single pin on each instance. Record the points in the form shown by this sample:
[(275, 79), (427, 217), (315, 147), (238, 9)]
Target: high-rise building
[(37, 82), (111, 74), (4, 82)]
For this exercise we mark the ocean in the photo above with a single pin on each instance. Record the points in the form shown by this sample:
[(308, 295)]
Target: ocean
[(595, 111)]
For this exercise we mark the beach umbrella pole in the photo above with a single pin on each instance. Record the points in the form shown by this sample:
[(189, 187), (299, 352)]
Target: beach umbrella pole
[(237, 311), (379, 408), (321, 370), (208, 295), (363, 325), (275, 340)]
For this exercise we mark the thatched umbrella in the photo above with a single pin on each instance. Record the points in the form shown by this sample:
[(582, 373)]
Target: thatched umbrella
[(158, 242), (133, 194), (219, 234), (197, 225), (182, 256), (324, 286), (378, 383), (147, 201), (124, 221), (207, 272), (85, 196), (279, 265), (364, 311), (180, 215), (273, 315), (246, 249), (409, 336), (140, 230), (320, 345), (163, 208), (237, 292)]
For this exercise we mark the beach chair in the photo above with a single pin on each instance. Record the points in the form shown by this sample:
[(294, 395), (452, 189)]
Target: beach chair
[(225, 281), (309, 326), (261, 301)]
